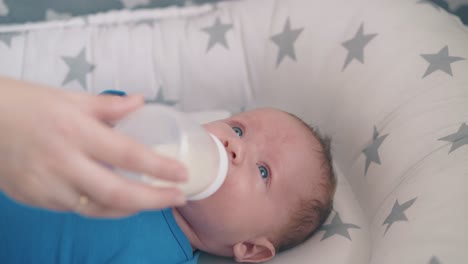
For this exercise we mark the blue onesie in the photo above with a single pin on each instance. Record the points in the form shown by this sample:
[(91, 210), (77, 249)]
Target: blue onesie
[(30, 235)]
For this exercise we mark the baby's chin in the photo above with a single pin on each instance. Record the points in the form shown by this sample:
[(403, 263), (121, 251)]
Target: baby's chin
[(210, 202), (211, 210)]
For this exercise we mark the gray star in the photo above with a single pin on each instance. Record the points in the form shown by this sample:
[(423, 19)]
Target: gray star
[(78, 68), (337, 227), (434, 260), (159, 99), (285, 42), (398, 213), (440, 61), (459, 138), (356, 45), (372, 151), (7, 37), (217, 34)]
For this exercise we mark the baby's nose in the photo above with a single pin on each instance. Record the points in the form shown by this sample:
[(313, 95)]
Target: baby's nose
[(234, 150)]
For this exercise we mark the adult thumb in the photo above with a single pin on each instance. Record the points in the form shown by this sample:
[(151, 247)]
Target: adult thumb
[(110, 108)]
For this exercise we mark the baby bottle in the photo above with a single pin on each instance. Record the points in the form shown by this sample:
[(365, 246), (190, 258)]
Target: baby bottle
[(173, 134)]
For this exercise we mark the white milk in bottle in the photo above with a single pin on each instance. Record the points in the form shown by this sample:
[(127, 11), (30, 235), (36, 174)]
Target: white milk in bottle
[(173, 134)]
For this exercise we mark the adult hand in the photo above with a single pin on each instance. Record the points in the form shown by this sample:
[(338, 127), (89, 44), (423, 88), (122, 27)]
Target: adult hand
[(52, 145)]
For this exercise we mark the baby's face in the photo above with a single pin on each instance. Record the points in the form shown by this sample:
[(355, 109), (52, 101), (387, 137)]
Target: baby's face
[(273, 162)]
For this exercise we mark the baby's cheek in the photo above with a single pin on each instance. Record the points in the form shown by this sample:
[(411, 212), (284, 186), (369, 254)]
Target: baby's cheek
[(229, 196), (237, 184)]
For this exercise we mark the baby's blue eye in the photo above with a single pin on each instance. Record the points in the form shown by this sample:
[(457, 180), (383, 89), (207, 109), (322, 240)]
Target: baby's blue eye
[(238, 131), (264, 172)]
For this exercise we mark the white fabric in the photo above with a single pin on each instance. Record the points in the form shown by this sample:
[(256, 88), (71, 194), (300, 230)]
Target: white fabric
[(412, 101)]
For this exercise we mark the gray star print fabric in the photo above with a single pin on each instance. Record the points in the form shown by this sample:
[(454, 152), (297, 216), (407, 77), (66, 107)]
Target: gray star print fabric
[(385, 79)]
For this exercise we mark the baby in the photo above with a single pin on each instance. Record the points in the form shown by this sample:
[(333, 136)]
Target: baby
[(278, 191)]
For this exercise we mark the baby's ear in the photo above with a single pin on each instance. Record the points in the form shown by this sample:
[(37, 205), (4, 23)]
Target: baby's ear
[(257, 250)]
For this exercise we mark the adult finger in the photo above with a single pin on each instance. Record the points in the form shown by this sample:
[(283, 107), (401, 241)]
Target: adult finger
[(112, 108), (94, 210), (116, 149), (106, 108), (109, 190)]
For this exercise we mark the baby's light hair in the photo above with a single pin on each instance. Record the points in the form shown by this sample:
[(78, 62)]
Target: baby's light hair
[(312, 211)]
